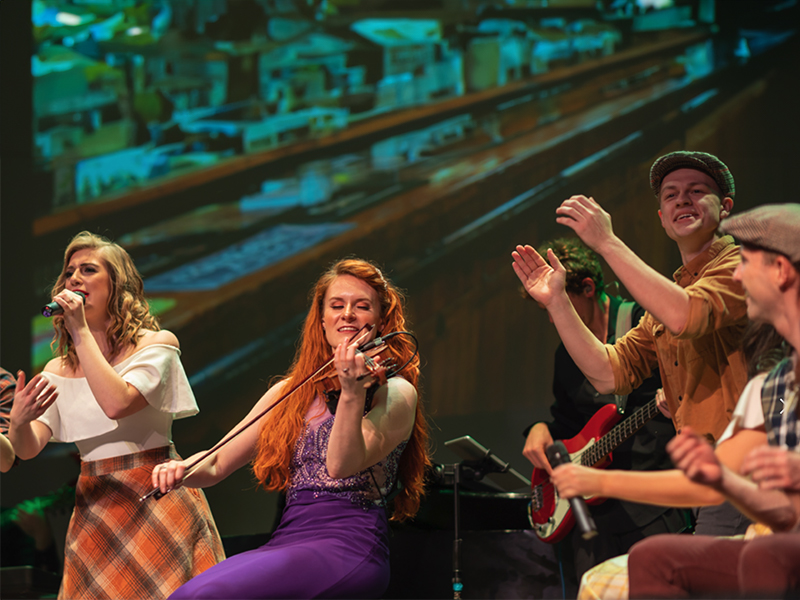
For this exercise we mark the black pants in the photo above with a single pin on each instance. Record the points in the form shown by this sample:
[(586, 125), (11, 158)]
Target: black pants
[(722, 519)]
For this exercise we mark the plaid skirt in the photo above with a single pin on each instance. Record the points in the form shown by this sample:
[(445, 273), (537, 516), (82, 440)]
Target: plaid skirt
[(120, 548)]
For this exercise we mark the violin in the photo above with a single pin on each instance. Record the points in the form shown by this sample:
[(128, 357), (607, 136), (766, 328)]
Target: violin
[(327, 379), (378, 362)]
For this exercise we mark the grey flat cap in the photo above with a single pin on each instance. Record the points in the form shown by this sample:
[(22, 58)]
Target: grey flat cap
[(773, 227), (700, 161)]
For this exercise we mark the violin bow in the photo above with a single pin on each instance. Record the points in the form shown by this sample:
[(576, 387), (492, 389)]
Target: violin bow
[(195, 464)]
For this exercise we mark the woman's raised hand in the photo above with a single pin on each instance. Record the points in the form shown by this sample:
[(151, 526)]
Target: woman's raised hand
[(31, 399)]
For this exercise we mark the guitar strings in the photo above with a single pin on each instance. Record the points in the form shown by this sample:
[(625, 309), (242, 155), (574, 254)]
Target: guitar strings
[(644, 413)]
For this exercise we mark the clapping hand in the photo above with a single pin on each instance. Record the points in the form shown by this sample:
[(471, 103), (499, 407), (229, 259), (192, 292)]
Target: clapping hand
[(542, 281), (587, 218)]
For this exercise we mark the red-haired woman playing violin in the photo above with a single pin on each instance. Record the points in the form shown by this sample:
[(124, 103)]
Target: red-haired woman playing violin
[(337, 462)]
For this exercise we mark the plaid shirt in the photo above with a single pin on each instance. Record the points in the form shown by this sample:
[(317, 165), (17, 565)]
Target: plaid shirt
[(779, 397), (8, 386)]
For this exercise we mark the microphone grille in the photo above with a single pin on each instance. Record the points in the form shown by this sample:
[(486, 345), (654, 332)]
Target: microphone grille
[(557, 453)]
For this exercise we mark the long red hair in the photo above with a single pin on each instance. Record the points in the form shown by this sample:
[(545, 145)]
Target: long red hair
[(277, 441)]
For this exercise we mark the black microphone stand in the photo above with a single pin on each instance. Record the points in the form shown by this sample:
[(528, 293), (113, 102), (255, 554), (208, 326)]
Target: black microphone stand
[(448, 474), (457, 585), (473, 470)]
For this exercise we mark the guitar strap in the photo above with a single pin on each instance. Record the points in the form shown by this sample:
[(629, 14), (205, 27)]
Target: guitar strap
[(624, 324)]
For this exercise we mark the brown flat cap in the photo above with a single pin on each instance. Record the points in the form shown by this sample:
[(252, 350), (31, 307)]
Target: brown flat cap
[(773, 227), (700, 161)]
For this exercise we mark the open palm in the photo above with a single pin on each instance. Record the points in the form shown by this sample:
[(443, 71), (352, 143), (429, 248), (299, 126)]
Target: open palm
[(541, 280)]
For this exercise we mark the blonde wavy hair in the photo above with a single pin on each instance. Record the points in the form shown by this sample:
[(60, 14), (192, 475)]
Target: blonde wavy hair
[(127, 306)]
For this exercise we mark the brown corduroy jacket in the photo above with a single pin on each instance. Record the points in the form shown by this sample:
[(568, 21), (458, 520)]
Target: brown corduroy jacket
[(703, 370)]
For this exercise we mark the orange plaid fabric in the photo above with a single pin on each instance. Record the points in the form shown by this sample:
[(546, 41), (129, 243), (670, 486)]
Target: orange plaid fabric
[(120, 548)]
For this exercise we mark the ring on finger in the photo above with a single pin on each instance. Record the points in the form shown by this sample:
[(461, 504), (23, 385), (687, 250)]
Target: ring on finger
[(346, 370)]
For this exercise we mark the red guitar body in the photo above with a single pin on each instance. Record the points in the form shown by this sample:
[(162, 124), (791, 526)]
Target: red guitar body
[(550, 515)]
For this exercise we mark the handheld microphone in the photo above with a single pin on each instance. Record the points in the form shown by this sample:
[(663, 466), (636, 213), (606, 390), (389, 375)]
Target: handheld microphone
[(54, 308), (557, 455)]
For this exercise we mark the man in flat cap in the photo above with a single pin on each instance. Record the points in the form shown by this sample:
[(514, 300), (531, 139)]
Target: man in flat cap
[(691, 332), (666, 566)]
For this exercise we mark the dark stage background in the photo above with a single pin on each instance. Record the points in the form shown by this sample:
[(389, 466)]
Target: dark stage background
[(237, 147)]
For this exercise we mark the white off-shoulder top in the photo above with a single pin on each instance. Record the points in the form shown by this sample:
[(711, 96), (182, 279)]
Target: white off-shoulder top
[(156, 371)]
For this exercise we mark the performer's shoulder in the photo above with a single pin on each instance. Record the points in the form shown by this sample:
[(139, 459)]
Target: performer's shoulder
[(164, 337)]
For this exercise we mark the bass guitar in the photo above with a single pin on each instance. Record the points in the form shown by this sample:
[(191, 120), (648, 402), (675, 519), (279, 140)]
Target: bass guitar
[(550, 515)]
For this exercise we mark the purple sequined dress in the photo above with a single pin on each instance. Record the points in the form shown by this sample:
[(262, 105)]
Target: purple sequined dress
[(332, 539)]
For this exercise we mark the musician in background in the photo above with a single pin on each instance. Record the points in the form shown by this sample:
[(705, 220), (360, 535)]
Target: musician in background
[(692, 331), (620, 524)]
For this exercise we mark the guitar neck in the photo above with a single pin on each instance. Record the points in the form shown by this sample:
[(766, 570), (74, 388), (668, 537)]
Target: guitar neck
[(610, 441)]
